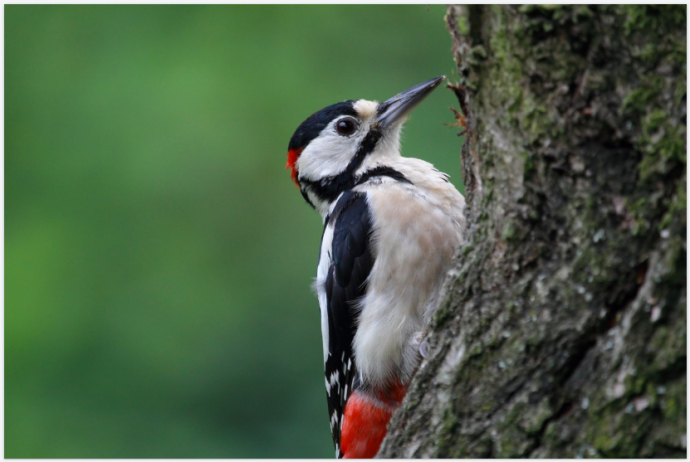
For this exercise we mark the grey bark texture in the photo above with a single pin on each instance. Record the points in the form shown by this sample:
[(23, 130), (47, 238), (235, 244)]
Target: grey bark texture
[(563, 327)]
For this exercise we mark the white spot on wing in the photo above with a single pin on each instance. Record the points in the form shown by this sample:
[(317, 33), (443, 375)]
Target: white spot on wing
[(332, 381)]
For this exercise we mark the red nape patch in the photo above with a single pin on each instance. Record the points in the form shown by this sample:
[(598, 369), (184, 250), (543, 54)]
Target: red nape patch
[(293, 155), (365, 422)]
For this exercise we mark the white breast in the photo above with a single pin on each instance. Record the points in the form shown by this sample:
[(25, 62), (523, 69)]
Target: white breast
[(417, 229)]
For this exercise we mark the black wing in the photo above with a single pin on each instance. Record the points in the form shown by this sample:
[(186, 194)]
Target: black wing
[(351, 262)]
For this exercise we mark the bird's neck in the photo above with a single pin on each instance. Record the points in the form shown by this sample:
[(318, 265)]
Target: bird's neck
[(323, 195)]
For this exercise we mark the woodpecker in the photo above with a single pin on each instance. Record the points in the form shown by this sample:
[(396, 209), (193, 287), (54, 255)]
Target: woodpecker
[(391, 226)]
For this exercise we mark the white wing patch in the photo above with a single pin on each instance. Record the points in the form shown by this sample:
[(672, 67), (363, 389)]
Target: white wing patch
[(334, 420), (321, 275)]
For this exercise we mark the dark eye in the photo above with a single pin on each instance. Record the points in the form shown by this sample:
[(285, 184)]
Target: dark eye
[(346, 127)]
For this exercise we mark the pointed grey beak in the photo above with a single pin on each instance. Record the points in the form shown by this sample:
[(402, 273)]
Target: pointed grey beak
[(396, 108)]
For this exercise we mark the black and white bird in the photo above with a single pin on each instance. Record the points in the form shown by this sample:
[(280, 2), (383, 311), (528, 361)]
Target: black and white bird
[(391, 227)]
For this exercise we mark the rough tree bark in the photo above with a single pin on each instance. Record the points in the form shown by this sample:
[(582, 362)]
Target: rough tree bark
[(563, 330)]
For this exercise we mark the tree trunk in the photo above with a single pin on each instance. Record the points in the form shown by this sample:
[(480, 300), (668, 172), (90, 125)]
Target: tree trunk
[(563, 330)]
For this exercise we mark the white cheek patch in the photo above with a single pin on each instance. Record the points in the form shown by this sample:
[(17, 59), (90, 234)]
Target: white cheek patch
[(327, 155), (366, 109)]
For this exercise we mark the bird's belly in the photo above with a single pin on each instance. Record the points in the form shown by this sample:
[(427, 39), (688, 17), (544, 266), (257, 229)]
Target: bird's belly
[(414, 243)]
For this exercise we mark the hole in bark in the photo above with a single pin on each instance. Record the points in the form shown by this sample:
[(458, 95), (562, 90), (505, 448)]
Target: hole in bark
[(620, 295)]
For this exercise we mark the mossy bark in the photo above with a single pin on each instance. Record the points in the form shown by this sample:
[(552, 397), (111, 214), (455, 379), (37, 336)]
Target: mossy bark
[(563, 330)]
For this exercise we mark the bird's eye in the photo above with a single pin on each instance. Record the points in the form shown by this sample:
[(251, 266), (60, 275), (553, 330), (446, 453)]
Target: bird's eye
[(346, 127)]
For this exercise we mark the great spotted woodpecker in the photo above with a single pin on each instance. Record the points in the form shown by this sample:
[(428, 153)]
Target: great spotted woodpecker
[(391, 226)]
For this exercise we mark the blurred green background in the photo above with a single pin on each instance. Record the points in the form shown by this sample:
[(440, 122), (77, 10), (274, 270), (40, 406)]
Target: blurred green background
[(158, 259)]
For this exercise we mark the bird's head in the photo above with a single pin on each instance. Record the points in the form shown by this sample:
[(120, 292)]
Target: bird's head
[(327, 151)]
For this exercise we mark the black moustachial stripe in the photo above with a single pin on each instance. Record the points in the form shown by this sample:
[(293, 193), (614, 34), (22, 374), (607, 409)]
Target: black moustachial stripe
[(332, 190), (328, 188), (382, 170), (346, 283)]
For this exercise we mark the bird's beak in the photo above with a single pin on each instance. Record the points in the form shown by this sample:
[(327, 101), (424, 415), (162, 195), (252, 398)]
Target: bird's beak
[(395, 109)]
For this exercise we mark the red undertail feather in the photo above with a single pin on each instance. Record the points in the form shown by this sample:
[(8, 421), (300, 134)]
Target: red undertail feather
[(365, 422), (292, 156)]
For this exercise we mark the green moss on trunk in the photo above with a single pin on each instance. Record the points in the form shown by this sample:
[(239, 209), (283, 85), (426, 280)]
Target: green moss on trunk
[(563, 332)]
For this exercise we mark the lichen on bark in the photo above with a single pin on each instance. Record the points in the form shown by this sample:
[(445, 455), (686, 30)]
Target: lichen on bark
[(563, 329)]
